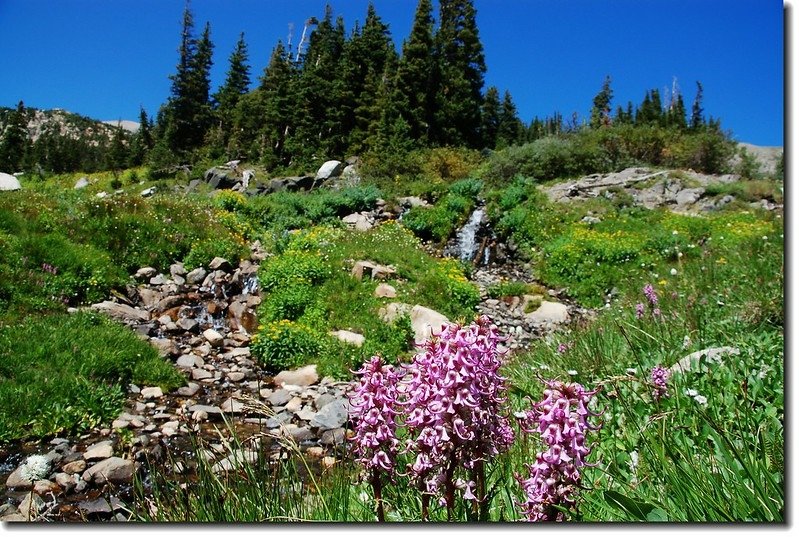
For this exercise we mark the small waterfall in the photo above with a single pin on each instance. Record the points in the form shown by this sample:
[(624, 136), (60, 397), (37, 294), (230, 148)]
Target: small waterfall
[(250, 285), (466, 247)]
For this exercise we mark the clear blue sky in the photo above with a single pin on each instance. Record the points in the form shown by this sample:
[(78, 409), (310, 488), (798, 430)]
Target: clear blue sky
[(105, 58)]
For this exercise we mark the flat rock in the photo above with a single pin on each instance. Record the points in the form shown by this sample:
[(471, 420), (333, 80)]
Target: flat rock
[(189, 390), (712, 354), (112, 470), (220, 263), (97, 506), (121, 312), (188, 361), (9, 182), (279, 397), (304, 376), (351, 338), (331, 416), (549, 313), (17, 481), (201, 374), (74, 467), (391, 312), (100, 450), (152, 393), (31, 505), (232, 406), (330, 169)]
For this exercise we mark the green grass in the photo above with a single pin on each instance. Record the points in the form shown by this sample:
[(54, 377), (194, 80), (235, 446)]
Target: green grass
[(68, 373)]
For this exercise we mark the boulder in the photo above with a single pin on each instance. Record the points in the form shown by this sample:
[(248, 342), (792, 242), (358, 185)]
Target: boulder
[(196, 276), (548, 313), (330, 169), (349, 337), (220, 179), (213, 337), (712, 354), (358, 222), (147, 192), (412, 201), (100, 450), (220, 263), (121, 312), (83, 182), (424, 322), (304, 376), (9, 182)]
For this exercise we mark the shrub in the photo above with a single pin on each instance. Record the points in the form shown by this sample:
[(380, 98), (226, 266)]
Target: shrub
[(204, 251), (284, 344), (292, 267)]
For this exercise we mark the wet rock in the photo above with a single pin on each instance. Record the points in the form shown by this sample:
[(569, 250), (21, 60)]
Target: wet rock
[(196, 276), (208, 409), (17, 481), (232, 406), (213, 337), (279, 397), (112, 470), (188, 325), (97, 506), (235, 461), (32, 504), (189, 390), (333, 436), (304, 376), (201, 374), (74, 467)]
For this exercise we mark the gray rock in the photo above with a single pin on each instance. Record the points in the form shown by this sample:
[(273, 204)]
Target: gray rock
[(218, 178), (196, 276), (31, 505), (66, 480), (112, 470), (189, 361), (333, 436), (17, 481), (232, 406), (712, 355), (147, 192), (121, 312), (385, 290), (330, 169), (145, 273), (279, 397), (9, 182), (188, 324), (83, 182), (220, 263), (215, 410), (100, 450), (331, 416), (190, 390), (74, 467), (152, 393), (235, 460), (97, 506), (213, 337), (201, 374), (324, 400), (549, 313), (165, 347), (358, 222)]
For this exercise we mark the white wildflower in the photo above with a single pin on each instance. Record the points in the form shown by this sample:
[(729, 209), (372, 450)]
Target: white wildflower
[(35, 467), (630, 371), (686, 342), (673, 272), (701, 399), (572, 372), (675, 232), (691, 392)]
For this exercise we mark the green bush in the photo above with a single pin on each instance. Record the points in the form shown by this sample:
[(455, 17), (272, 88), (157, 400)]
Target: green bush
[(292, 267), (284, 344), (288, 301), (204, 251)]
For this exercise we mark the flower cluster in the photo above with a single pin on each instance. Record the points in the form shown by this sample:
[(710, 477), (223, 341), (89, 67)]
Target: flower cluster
[(652, 298), (35, 467), (562, 422), (650, 294), (454, 397), (374, 408), (660, 376), (639, 311)]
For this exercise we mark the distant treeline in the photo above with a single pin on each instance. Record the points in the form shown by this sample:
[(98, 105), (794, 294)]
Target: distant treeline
[(337, 93)]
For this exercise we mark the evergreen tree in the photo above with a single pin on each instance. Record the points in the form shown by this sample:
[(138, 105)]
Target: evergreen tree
[(237, 81), (187, 114), (600, 112), (491, 118), (414, 97), (510, 126), (460, 70), (142, 141), (697, 113), (117, 155), (14, 142)]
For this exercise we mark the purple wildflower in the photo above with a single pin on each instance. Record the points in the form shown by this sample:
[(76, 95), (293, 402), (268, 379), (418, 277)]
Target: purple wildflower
[(660, 376), (562, 422), (374, 408), (639, 310), (650, 294), (454, 400)]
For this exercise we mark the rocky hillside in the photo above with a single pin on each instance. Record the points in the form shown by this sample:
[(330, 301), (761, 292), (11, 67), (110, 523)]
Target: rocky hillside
[(61, 123)]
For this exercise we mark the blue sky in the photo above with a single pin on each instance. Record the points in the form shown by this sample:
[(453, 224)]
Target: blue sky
[(105, 58)]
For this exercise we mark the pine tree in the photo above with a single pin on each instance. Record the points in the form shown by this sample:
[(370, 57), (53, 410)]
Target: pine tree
[(697, 113), (490, 118), (186, 116), (414, 97), (142, 141), (459, 75), (510, 126), (14, 142), (600, 112), (237, 81)]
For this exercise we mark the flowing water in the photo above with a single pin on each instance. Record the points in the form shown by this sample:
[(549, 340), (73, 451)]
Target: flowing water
[(466, 244)]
